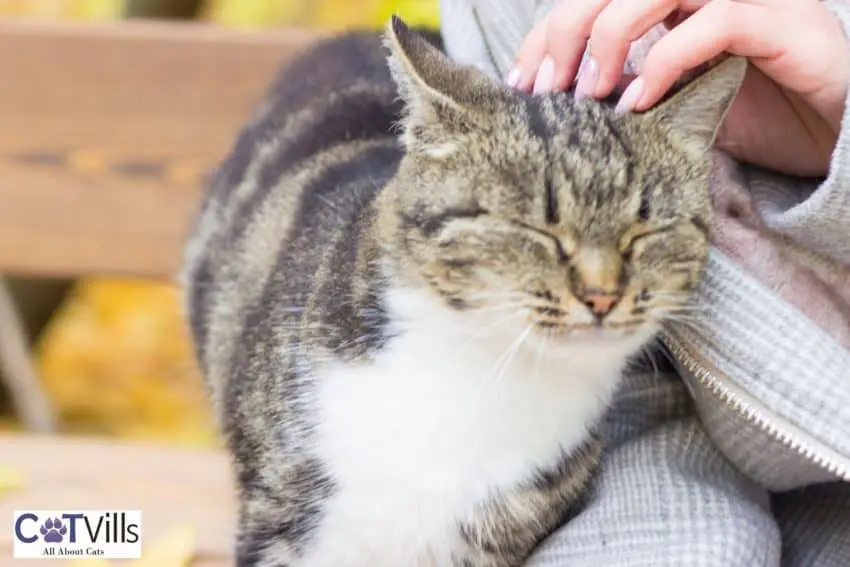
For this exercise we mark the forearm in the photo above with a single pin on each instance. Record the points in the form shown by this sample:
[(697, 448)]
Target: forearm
[(817, 215)]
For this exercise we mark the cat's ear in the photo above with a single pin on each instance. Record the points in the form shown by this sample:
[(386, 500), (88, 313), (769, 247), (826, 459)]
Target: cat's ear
[(440, 96), (697, 111)]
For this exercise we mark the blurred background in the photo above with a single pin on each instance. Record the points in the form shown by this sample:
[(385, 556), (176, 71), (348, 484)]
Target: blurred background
[(109, 357)]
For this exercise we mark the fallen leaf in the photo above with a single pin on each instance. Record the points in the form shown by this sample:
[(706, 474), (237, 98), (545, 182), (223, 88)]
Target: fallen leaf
[(174, 549), (10, 479), (116, 359)]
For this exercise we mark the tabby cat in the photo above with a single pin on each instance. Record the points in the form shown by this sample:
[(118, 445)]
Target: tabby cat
[(413, 290)]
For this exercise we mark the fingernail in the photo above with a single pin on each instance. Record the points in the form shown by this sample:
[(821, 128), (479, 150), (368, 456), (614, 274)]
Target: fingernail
[(581, 67), (630, 97), (545, 76), (587, 79), (514, 77)]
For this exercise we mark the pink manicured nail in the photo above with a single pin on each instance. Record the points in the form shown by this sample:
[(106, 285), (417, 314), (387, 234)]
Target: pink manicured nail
[(513, 77), (587, 79), (630, 97), (545, 76), (581, 67)]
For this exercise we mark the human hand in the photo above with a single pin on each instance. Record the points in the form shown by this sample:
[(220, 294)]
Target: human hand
[(787, 115)]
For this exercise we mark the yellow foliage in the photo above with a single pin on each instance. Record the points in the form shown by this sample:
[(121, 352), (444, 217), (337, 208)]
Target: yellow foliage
[(328, 14), (414, 12), (65, 9), (10, 479), (10, 425), (116, 360), (250, 13), (174, 549)]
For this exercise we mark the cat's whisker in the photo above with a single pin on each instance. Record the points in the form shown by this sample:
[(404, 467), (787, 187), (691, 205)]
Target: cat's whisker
[(494, 325), (514, 350), (548, 306), (648, 351), (679, 296), (495, 297), (691, 325), (542, 345), (664, 351), (467, 331), (674, 302), (489, 319), (507, 356), (694, 326), (672, 311), (697, 309), (500, 293), (684, 309), (679, 316), (517, 308)]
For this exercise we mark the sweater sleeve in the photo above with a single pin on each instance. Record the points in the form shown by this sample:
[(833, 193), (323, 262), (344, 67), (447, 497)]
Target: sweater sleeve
[(818, 215), (665, 495), (488, 33)]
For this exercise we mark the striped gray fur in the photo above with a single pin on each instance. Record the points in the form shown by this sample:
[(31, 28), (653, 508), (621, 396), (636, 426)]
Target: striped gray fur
[(344, 186)]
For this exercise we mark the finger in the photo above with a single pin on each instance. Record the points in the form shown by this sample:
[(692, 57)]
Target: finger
[(675, 18), (683, 12), (618, 25), (622, 84), (569, 26), (639, 48), (529, 58), (721, 26)]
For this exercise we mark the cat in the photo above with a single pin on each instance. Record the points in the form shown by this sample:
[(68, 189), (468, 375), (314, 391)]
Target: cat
[(413, 291)]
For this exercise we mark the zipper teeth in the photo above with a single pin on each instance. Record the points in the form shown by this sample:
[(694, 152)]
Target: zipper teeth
[(731, 399)]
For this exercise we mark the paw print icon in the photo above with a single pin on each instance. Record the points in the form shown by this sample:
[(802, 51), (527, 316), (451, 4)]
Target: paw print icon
[(53, 530)]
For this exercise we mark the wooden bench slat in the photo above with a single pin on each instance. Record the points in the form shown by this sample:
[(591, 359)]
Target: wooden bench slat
[(106, 130), (171, 486)]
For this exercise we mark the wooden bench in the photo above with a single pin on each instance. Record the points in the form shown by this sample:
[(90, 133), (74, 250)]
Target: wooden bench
[(170, 486), (105, 134), (106, 131)]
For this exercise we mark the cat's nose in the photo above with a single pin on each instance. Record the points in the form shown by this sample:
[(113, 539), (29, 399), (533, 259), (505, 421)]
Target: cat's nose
[(600, 302), (596, 279)]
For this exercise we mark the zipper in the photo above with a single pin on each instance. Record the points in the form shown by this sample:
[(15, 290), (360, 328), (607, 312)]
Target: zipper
[(777, 428)]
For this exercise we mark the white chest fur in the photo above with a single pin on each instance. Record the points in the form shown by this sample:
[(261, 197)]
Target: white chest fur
[(437, 422)]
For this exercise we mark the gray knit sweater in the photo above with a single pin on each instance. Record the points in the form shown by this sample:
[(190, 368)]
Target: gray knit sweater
[(737, 453)]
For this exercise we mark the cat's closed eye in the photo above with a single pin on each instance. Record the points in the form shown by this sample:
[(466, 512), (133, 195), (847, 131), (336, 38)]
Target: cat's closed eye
[(638, 232), (560, 246)]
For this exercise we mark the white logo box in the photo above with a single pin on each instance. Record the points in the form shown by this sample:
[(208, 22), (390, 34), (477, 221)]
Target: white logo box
[(75, 534)]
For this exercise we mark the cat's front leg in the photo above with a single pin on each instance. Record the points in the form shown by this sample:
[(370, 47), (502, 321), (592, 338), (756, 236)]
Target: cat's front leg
[(505, 530), (272, 532), (258, 546)]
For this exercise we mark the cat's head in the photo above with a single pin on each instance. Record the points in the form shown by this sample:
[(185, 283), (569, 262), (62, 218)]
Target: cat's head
[(575, 218)]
